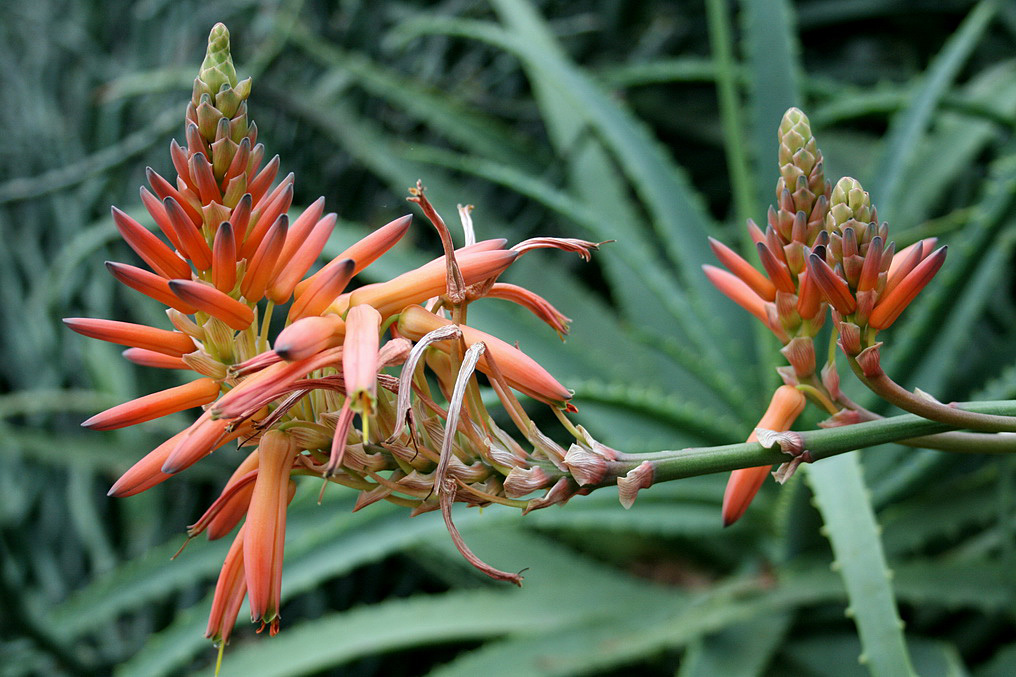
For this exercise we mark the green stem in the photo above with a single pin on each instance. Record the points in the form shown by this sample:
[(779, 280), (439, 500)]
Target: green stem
[(953, 417), (681, 463)]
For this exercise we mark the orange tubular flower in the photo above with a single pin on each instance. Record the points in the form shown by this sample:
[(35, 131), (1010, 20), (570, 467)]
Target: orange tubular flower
[(134, 335), (230, 590), (738, 291), (429, 281), (265, 537), (309, 336), (151, 285), (360, 356), (156, 405), (786, 405), (214, 302), (758, 282), (893, 303), (521, 371)]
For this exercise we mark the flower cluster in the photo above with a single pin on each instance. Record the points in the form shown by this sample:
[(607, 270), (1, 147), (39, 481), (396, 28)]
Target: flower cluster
[(227, 257), (823, 246)]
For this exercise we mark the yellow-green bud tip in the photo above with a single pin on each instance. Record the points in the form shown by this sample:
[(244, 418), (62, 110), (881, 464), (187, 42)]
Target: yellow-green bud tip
[(848, 201), (217, 68)]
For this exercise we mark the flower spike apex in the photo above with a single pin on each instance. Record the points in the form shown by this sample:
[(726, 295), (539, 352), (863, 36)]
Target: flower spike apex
[(217, 68)]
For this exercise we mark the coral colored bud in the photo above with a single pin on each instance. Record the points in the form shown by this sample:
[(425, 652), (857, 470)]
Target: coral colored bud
[(224, 258), (893, 303), (134, 335), (265, 217), (150, 248), (322, 291), (308, 336), (158, 213), (146, 473), (164, 189), (192, 242), (759, 283), (429, 281), (776, 270), (149, 284), (365, 251), (520, 370), (809, 298), (239, 218), (155, 405), (262, 265), (203, 436), (292, 268), (786, 405), (230, 589), (832, 285), (738, 291), (260, 184), (150, 358), (265, 529), (212, 301)]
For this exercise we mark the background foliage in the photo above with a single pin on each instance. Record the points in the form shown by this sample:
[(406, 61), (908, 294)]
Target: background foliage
[(651, 123)]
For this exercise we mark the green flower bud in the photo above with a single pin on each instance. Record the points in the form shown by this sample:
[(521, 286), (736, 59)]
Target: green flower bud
[(217, 69)]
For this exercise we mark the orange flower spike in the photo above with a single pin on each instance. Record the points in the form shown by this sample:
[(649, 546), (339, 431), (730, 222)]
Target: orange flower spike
[(833, 287), (262, 265), (158, 212), (308, 336), (164, 189), (776, 270), (151, 285), (322, 291), (203, 178), (265, 218), (759, 283), (205, 297), (737, 291), (150, 358), (230, 589), (430, 280), (293, 266), (150, 248), (224, 258), (360, 357), (147, 472), (134, 335), (533, 302), (786, 405), (155, 405), (192, 242), (521, 371), (365, 251), (260, 184), (265, 528), (892, 304)]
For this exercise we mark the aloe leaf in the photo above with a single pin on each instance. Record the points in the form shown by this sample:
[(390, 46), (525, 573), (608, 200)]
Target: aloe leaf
[(743, 649), (851, 528), (907, 128)]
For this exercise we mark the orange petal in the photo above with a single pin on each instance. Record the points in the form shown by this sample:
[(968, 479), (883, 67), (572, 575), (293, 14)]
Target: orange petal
[(240, 220), (204, 179), (759, 283), (164, 189), (135, 335), (833, 287), (776, 269), (224, 258), (265, 529), (150, 248), (149, 284), (521, 371), (262, 265), (365, 251), (159, 215), (259, 186), (230, 589), (156, 405), (147, 472), (322, 291), (149, 358), (192, 242), (892, 304), (179, 157), (205, 297), (203, 437), (532, 301), (293, 267), (264, 217), (785, 406), (738, 291), (809, 298), (429, 281), (308, 336), (238, 165), (360, 354)]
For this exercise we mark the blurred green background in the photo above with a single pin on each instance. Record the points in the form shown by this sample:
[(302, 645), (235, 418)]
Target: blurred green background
[(651, 123)]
